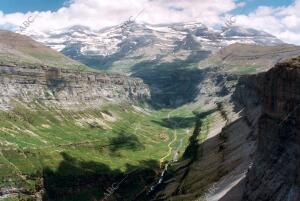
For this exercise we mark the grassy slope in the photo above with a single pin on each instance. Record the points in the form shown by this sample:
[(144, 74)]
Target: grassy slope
[(250, 59), (19, 50), (32, 140)]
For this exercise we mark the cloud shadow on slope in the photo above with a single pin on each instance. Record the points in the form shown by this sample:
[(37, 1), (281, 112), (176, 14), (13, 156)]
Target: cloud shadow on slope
[(177, 122), (125, 141), (76, 180)]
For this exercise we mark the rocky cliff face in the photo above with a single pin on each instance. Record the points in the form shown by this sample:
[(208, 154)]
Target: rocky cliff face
[(67, 88), (252, 151), (217, 165), (275, 173)]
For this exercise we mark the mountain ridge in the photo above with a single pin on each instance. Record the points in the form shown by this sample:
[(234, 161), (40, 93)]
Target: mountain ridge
[(102, 48)]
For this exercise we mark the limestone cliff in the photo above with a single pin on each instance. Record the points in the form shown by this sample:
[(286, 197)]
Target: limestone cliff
[(275, 173), (66, 87)]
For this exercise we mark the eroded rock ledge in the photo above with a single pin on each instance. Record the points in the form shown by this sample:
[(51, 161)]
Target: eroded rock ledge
[(67, 88)]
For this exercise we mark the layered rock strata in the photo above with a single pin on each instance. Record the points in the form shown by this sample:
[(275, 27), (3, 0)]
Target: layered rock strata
[(67, 88)]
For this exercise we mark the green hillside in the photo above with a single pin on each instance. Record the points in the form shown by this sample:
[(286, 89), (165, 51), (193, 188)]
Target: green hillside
[(114, 139), (19, 50)]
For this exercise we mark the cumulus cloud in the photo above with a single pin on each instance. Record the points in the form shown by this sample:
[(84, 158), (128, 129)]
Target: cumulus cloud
[(101, 13), (283, 22)]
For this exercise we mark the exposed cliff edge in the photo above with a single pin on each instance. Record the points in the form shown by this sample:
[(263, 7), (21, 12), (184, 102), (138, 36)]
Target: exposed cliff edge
[(66, 87), (32, 72), (253, 156), (275, 172)]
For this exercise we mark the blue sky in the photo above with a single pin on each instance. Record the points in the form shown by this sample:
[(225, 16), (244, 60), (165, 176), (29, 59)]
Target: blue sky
[(251, 5), (12, 6)]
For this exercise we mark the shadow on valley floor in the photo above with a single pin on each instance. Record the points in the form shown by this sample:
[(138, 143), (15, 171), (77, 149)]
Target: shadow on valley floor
[(175, 83), (177, 122), (125, 141), (76, 180)]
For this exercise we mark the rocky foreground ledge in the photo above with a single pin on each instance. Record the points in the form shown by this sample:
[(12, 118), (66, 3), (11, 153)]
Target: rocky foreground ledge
[(67, 88), (276, 171)]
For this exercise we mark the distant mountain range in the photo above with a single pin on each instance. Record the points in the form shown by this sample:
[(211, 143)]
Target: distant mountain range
[(128, 43)]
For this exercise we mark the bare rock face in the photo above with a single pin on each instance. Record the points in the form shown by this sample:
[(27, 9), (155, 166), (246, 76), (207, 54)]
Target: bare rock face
[(67, 88), (275, 175), (255, 156)]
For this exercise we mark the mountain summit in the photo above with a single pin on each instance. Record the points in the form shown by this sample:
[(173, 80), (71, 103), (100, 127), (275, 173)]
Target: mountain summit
[(102, 48)]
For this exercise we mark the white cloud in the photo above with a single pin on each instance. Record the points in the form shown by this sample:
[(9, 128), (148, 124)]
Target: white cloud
[(101, 13), (283, 22)]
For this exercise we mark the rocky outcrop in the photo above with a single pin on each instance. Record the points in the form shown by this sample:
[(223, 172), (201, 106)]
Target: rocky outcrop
[(67, 88), (275, 172), (218, 165)]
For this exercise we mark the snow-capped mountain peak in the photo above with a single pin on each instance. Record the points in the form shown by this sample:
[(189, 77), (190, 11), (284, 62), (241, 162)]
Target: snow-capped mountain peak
[(131, 39)]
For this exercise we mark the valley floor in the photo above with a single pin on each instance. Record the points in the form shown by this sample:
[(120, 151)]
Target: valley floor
[(58, 151)]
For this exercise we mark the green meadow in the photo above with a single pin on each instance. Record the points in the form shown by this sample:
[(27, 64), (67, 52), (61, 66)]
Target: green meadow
[(115, 137)]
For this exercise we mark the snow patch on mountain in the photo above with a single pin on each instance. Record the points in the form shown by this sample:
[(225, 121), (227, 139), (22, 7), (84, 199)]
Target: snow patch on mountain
[(131, 39)]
